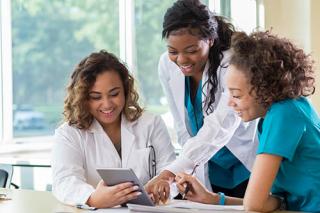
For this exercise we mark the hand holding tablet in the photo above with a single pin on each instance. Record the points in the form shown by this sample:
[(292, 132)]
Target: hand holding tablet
[(114, 176)]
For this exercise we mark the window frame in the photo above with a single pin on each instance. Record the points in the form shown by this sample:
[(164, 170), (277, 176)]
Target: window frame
[(6, 105), (126, 42)]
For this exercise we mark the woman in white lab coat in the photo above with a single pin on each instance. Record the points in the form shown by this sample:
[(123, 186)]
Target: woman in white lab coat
[(192, 74), (105, 127)]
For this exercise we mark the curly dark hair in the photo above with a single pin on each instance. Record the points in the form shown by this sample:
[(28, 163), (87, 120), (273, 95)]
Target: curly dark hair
[(277, 69), (200, 21), (76, 110)]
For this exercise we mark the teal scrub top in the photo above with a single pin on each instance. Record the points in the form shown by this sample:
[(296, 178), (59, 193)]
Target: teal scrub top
[(291, 129), (225, 170)]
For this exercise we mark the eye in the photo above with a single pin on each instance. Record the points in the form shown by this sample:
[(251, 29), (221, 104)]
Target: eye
[(236, 96), (172, 52), (114, 94), (94, 97), (191, 51)]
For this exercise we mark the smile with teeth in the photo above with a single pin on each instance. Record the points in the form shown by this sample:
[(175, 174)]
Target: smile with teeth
[(107, 112), (186, 68)]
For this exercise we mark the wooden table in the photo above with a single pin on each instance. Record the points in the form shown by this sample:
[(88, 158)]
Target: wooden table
[(28, 201)]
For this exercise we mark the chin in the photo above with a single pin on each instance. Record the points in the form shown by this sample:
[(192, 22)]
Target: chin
[(246, 119)]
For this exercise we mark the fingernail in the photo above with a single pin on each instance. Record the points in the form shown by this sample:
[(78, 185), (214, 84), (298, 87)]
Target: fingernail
[(135, 187), (138, 193)]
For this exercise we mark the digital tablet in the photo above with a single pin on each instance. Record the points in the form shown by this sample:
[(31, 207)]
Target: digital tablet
[(115, 176)]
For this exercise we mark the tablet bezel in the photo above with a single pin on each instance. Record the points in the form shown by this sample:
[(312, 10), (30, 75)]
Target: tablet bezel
[(114, 176)]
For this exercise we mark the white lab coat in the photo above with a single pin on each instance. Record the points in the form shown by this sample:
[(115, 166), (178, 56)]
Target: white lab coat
[(77, 153), (221, 128)]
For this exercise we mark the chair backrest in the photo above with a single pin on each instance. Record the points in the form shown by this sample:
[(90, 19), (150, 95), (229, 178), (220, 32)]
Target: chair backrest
[(6, 171)]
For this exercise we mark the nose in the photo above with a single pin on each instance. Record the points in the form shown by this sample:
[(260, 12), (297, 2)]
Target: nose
[(106, 102), (181, 59)]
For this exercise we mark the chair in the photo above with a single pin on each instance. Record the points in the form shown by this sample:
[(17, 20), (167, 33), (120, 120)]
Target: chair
[(6, 171)]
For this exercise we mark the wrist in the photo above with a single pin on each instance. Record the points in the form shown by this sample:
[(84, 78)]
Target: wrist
[(213, 198), (167, 175), (91, 200)]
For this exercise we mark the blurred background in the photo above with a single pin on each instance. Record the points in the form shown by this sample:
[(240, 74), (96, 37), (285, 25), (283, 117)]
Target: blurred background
[(41, 42)]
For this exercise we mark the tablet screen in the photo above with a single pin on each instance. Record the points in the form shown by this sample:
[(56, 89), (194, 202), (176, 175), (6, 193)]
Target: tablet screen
[(114, 176)]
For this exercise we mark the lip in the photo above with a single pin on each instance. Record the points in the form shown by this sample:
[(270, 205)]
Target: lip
[(108, 113), (186, 68)]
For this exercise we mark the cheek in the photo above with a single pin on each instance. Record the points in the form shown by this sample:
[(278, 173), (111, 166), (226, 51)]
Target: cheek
[(121, 100), (200, 59), (91, 105)]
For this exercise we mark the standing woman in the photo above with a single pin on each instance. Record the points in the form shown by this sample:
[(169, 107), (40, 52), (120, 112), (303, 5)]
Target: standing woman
[(192, 74), (105, 127)]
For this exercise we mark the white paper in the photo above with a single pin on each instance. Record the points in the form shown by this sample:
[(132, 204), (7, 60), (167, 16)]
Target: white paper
[(179, 206), (194, 205)]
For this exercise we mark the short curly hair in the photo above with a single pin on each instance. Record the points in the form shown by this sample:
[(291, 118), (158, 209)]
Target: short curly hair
[(76, 111), (277, 69)]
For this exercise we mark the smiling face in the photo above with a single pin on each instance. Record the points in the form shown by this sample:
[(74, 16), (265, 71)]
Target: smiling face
[(189, 52), (244, 103), (107, 98)]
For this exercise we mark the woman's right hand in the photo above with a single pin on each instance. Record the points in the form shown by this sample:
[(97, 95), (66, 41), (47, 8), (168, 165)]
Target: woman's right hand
[(109, 196), (159, 187), (197, 192)]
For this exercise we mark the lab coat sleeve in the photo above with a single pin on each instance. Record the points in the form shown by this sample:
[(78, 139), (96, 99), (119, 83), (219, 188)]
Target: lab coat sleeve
[(217, 130), (69, 182), (162, 144), (164, 69)]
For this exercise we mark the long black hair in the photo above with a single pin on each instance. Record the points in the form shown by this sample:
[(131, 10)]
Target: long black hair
[(197, 18)]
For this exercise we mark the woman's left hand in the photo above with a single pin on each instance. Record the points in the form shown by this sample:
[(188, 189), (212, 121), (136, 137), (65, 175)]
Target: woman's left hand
[(197, 192)]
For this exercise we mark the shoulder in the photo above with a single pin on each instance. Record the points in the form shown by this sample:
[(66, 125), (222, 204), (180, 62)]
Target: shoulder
[(166, 65), (147, 123), (164, 57), (148, 118), (69, 131), (288, 107)]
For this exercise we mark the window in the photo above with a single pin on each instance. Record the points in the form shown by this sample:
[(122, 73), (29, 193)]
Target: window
[(41, 41), (49, 38)]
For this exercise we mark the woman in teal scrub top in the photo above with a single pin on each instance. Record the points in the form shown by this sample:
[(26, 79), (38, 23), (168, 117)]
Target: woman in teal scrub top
[(270, 78)]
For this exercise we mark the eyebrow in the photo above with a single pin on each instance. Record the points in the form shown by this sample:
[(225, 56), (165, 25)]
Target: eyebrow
[(234, 89), (113, 89), (192, 45)]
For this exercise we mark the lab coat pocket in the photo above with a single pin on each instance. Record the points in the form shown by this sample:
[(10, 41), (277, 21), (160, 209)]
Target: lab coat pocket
[(139, 163)]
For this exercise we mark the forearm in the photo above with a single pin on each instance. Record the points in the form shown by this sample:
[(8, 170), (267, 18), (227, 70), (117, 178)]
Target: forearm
[(218, 129), (270, 204)]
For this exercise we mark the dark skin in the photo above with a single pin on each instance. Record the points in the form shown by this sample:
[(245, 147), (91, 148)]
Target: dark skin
[(159, 187)]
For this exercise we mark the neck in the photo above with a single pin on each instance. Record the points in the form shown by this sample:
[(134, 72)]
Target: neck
[(113, 127), (196, 78)]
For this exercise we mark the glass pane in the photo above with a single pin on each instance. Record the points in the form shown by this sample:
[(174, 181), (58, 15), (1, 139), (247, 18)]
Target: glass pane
[(49, 38), (244, 15), (149, 46)]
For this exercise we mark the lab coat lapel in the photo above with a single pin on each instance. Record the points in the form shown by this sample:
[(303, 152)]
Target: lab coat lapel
[(103, 142), (127, 140), (177, 85)]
